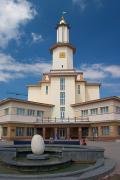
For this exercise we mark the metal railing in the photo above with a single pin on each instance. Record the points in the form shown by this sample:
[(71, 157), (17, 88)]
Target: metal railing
[(63, 120)]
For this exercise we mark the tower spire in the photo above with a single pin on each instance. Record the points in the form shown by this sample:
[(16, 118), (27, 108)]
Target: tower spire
[(62, 51), (62, 31), (62, 21)]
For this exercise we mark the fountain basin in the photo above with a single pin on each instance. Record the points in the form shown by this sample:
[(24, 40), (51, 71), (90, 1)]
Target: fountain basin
[(38, 157)]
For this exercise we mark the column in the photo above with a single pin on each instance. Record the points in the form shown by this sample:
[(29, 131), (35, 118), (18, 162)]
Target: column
[(99, 131), (55, 133), (90, 133), (68, 133), (43, 132), (79, 133), (9, 133), (113, 131)]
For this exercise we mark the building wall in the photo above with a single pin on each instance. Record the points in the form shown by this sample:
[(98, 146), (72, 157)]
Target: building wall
[(55, 96), (69, 96), (110, 115), (12, 114), (80, 97), (67, 62), (92, 92), (38, 93), (63, 34)]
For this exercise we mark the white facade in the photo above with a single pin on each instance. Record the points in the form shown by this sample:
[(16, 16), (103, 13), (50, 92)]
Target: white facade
[(62, 103), (76, 89), (62, 58), (63, 35)]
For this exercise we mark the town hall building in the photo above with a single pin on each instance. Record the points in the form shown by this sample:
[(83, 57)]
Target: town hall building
[(63, 104)]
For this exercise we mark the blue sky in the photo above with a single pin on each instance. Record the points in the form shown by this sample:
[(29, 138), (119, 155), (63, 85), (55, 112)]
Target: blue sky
[(27, 31)]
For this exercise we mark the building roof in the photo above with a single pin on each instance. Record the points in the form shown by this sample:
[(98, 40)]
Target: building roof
[(93, 84), (63, 45), (96, 101), (24, 101)]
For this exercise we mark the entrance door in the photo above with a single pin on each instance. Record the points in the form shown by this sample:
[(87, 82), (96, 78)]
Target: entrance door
[(40, 131), (95, 131), (85, 131), (62, 133)]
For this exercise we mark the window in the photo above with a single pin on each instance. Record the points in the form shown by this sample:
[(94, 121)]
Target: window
[(62, 108), (46, 89), (20, 111), (30, 131), (105, 130), (118, 109), (40, 113), (4, 131), (31, 112), (6, 111), (95, 131), (62, 83), (62, 98), (84, 113), (104, 110), (78, 89), (62, 112), (118, 130), (19, 131), (94, 111)]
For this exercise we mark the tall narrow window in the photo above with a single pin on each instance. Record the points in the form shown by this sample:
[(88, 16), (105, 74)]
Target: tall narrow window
[(62, 98), (105, 130), (46, 89), (19, 131), (62, 112), (30, 131), (78, 89), (94, 111), (40, 113), (84, 112), (62, 83), (6, 111), (30, 112), (118, 109), (4, 131), (104, 110), (20, 111)]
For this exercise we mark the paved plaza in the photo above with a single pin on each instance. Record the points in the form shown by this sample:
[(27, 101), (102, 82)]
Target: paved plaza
[(112, 150)]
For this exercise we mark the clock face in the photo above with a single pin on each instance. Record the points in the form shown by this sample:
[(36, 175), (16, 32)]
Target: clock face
[(62, 55)]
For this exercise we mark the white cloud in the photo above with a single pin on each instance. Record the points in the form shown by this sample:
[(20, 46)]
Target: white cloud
[(37, 37), (84, 3), (81, 3), (100, 71), (11, 69), (13, 14), (113, 70)]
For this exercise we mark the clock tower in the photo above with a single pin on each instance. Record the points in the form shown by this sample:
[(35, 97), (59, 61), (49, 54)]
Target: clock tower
[(62, 51)]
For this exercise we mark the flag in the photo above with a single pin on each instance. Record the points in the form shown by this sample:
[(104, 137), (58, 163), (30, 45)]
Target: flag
[(64, 12)]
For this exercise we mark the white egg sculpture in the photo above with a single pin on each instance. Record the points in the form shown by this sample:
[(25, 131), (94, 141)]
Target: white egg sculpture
[(37, 144)]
